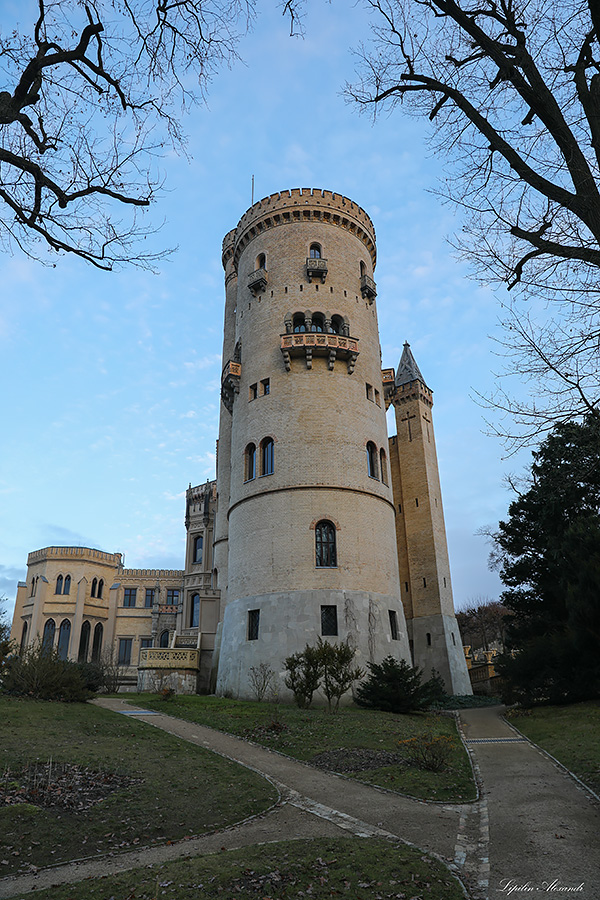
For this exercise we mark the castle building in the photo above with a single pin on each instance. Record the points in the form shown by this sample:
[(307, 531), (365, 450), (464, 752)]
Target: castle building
[(318, 524)]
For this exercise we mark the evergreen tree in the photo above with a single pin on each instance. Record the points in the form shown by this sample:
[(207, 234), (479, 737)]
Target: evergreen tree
[(549, 555)]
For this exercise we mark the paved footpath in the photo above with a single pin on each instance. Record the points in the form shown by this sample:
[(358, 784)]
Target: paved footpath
[(534, 830)]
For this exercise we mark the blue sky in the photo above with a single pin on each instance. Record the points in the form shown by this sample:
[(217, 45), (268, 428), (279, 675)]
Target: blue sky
[(111, 397)]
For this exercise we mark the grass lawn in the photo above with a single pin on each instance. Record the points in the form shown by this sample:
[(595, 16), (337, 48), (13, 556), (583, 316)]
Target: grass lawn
[(306, 734), (357, 868), (570, 733), (168, 789)]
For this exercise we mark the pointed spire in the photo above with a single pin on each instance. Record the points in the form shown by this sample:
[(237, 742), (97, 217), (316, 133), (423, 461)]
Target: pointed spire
[(408, 369)]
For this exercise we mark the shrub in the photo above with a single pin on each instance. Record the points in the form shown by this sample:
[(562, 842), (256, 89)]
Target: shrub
[(41, 674), (428, 751), (337, 674), (304, 672), (261, 680), (394, 686), (325, 666)]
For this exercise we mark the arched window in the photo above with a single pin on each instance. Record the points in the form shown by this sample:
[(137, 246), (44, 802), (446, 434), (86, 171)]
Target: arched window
[(363, 269), (372, 460), (215, 579), (325, 548), (84, 642), (261, 261), (23, 639), (59, 585), (267, 457), (299, 323), (318, 322), (94, 586), (100, 588), (32, 594), (64, 636), (250, 462), (48, 635), (383, 465), (164, 639), (315, 251), (67, 585), (198, 547), (336, 325), (195, 611), (97, 642)]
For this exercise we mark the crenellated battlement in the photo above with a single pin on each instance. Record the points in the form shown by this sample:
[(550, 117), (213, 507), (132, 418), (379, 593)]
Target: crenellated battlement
[(69, 553), (301, 205)]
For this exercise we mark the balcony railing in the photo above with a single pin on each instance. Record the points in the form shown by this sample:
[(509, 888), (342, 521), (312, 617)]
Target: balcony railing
[(230, 382), (257, 281), (316, 268), (368, 288), (307, 344), (169, 658), (168, 608)]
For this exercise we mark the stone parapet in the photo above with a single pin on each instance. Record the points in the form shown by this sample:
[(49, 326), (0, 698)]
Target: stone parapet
[(169, 658)]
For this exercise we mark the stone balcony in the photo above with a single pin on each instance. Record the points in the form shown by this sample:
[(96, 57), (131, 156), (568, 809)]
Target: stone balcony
[(368, 288), (309, 344), (168, 609), (230, 382), (257, 281), (388, 377), (169, 658), (316, 268)]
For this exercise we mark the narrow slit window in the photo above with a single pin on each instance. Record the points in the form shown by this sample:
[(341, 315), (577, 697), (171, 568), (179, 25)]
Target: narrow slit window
[(394, 624), (253, 624)]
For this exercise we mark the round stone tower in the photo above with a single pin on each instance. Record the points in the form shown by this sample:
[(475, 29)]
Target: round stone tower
[(305, 540)]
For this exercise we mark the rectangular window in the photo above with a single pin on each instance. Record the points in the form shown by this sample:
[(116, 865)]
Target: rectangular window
[(145, 643), (172, 597), (253, 621), (125, 651), (369, 388), (253, 392), (377, 398), (149, 601), (265, 386), (394, 624), (129, 596), (329, 623)]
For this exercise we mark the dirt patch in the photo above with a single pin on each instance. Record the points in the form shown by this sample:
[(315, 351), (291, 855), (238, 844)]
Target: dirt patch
[(356, 760), (59, 785)]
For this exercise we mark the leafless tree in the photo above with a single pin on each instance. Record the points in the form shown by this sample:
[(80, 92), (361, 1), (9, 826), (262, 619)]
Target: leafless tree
[(512, 89), (92, 98), (483, 622)]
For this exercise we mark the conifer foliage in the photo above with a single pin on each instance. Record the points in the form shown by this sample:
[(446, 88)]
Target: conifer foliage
[(394, 686), (548, 554)]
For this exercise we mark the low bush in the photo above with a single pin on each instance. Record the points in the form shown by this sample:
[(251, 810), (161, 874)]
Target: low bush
[(396, 687), (40, 673), (325, 666), (428, 751)]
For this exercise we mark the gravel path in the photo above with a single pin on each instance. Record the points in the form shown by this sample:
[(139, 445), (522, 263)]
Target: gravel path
[(533, 830)]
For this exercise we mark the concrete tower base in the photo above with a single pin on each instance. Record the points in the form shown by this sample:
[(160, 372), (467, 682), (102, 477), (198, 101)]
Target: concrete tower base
[(436, 644)]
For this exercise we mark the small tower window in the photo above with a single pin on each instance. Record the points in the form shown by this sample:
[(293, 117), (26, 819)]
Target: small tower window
[(363, 269), (59, 585), (383, 463), (195, 611), (250, 463), (100, 588), (23, 639), (94, 586), (299, 323), (428, 636), (329, 622), (372, 460), (67, 585), (394, 624), (261, 261), (163, 641), (198, 548), (253, 624), (315, 251), (318, 323), (325, 545), (336, 325), (267, 456)]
